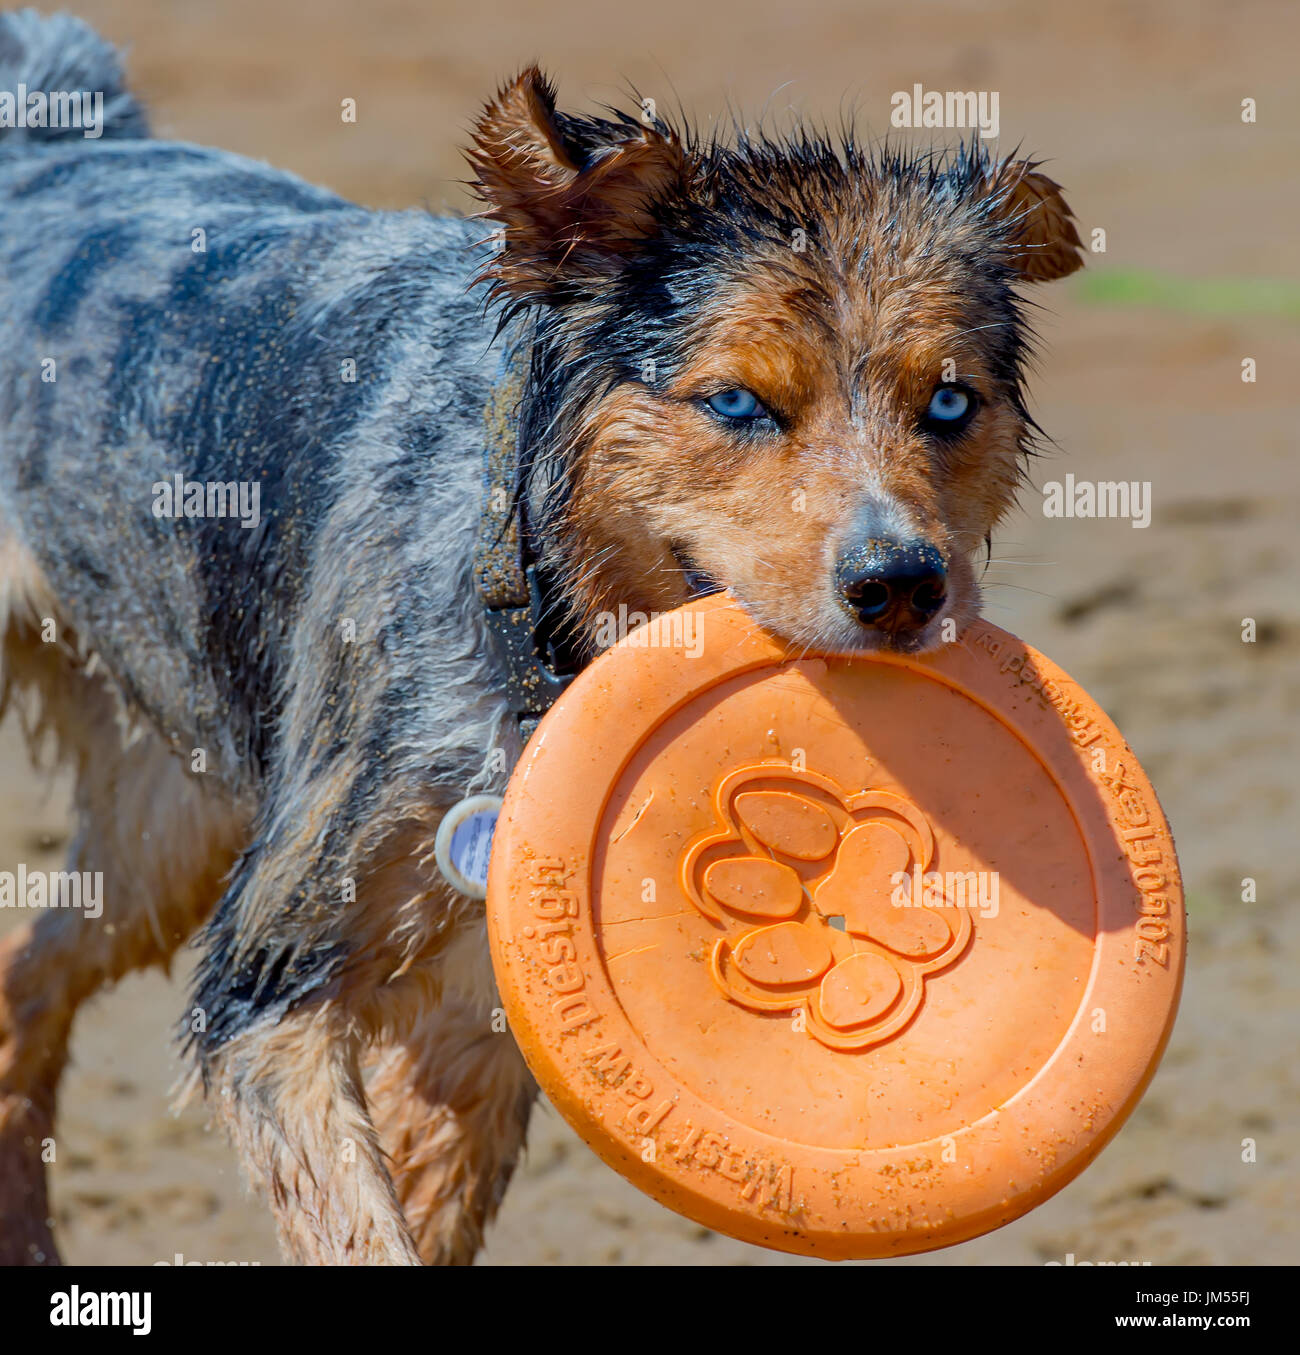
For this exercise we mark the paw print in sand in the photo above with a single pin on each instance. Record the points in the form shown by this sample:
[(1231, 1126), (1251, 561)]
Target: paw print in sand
[(802, 875)]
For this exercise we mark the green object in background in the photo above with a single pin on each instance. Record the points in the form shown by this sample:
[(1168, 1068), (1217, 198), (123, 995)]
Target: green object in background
[(1192, 296)]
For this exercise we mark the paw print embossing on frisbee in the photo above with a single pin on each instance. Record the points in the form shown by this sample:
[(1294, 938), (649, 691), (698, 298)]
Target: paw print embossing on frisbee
[(802, 876)]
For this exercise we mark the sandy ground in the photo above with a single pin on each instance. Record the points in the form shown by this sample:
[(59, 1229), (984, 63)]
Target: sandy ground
[(1138, 107)]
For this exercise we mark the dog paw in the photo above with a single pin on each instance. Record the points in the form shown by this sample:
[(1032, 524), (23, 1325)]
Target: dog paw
[(804, 878)]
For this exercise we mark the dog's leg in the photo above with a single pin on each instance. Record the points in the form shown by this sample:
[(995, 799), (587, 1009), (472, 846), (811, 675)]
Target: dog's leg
[(451, 1102), (289, 1094), (162, 859), (281, 1061), (160, 847), (452, 1096), (161, 852)]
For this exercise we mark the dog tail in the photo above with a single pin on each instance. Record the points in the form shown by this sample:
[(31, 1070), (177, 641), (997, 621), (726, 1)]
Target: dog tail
[(60, 79)]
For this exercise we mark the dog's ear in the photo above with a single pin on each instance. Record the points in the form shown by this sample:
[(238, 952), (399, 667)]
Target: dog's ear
[(1046, 245), (570, 209)]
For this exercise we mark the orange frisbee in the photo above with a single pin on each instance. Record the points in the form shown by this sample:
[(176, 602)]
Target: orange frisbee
[(852, 955)]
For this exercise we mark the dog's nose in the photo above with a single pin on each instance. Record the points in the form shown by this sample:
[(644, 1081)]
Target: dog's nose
[(893, 585)]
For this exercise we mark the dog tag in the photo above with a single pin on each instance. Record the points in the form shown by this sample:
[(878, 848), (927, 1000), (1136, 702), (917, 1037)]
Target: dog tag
[(463, 845)]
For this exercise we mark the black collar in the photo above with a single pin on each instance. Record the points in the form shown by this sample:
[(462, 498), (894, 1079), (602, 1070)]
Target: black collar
[(521, 603)]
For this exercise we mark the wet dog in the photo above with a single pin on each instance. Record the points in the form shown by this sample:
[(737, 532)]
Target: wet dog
[(242, 445)]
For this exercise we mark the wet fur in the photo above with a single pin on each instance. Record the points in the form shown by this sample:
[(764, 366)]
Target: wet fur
[(832, 281), (339, 1019)]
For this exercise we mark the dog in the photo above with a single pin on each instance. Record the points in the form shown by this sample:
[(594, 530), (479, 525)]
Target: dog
[(242, 460)]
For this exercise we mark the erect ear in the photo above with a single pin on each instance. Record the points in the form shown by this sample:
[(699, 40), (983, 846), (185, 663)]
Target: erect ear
[(570, 207), (1046, 245)]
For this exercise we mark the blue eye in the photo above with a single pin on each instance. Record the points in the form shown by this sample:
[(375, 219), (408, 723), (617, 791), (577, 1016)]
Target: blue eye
[(737, 404), (950, 405)]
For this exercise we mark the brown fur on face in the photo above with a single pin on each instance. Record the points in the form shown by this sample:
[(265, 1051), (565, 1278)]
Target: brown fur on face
[(839, 290), (663, 480)]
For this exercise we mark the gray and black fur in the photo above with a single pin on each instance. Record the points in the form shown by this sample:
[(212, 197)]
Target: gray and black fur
[(327, 678), (226, 364)]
